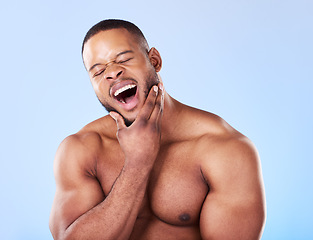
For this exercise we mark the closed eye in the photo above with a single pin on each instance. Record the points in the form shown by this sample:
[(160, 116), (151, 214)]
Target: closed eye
[(124, 61), (99, 73)]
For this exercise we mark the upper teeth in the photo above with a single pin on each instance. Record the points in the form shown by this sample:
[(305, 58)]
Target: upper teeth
[(122, 89)]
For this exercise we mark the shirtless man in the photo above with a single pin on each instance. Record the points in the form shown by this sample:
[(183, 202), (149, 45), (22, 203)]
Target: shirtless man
[(154, 168)]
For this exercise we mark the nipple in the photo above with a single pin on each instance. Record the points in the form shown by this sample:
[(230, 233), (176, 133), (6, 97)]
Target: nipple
[(185, 217)]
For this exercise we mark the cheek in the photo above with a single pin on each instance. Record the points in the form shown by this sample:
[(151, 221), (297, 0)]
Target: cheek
[(100, 90), (98, 85)]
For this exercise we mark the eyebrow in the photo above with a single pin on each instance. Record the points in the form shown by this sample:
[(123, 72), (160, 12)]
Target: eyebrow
[(117, 55)]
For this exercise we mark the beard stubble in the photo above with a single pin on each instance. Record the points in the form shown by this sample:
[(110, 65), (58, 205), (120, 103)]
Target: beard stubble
[(151, 80)]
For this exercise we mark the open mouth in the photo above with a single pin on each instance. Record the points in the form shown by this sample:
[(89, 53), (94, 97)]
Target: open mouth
[(125, 94)]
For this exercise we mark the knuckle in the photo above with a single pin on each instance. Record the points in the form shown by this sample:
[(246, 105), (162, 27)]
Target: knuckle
[(158, 105), (150, 104)]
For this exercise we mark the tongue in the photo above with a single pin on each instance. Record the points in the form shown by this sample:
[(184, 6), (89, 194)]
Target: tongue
[(127, 95), (128, 99)]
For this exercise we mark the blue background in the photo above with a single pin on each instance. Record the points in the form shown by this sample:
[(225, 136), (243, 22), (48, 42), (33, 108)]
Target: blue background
[(248, 61)]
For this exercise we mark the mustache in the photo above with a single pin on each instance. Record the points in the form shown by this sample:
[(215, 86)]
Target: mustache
[(121, 80), (151, 80)]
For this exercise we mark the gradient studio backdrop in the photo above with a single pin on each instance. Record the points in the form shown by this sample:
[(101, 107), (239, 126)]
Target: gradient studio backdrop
[(248, 61)]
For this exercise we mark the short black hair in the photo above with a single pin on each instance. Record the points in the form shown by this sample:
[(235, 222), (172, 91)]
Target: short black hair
[(109, 24)]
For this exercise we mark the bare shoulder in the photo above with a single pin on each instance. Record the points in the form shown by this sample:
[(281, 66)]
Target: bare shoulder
[(225, 155), (78, 152), (231, 159), (222, 145), (77, 189), (218, 140), (230, 165)]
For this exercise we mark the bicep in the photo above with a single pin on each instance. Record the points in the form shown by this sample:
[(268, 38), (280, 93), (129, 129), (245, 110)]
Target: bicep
[(235, 206), (76, 191), (71, 203), (223, 219)]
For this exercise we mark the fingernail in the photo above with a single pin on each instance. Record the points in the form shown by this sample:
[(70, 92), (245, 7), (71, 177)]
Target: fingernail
[(111, 114), (161, 87), (155, 89)]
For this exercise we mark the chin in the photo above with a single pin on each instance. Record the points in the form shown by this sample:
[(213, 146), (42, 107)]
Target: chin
[(128, 120), (130, 96)]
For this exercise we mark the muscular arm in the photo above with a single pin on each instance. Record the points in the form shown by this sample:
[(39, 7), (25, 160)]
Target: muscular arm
[(80, 210), (235, 205)]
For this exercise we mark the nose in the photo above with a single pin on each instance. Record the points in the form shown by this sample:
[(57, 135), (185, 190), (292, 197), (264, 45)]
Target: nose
[(113, 71)]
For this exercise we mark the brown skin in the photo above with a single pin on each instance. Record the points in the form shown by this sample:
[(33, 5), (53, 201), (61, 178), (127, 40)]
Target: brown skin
[(175, 173)]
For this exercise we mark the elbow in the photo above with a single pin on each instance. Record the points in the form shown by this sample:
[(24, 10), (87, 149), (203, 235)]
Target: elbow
[(62, 236), (59, 234)]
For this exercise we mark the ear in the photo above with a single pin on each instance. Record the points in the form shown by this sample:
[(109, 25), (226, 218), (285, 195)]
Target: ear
[(155, 59)]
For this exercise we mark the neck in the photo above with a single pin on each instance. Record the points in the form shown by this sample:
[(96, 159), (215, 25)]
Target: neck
[(171, 117)]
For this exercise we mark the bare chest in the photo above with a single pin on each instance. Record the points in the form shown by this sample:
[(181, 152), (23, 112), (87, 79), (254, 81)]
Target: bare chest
[(176, 188)]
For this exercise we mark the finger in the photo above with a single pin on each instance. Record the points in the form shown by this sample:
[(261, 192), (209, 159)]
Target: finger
[(149, 104), (118, 119), (159, 103)]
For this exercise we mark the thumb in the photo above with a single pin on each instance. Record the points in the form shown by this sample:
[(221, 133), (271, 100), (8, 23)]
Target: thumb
[(118, 119)]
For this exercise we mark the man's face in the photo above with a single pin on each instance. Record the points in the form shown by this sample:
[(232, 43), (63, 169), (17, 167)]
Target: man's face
[(120, 71)]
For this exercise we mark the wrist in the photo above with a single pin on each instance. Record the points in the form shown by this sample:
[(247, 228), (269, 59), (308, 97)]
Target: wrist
[(136, 166)]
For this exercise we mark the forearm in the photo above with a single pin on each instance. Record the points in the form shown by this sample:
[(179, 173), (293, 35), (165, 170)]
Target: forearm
[(113, 218)]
